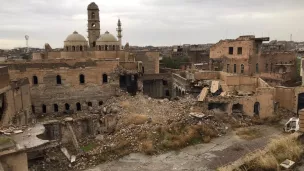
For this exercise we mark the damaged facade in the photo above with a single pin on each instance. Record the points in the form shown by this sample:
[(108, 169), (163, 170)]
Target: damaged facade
[(244, 55)]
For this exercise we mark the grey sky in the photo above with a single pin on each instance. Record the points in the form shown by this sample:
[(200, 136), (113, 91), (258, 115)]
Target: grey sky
[(151, 22)]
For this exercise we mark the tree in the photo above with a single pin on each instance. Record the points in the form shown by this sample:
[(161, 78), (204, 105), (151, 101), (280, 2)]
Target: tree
[(174, 63)]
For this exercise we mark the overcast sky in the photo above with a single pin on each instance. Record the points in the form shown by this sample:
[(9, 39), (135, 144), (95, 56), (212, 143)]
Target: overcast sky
[(150, 22)]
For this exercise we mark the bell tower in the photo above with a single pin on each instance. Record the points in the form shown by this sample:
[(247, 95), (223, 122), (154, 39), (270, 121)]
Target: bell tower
[(93, 24)]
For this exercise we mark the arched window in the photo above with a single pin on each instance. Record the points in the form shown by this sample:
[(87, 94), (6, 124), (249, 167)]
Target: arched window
[(94, 44), (100, 103), (78, 106), (73, 48), (35, 80), (81, 79), (99, 47), (257, 68), (43, 108), (67, 48), (56, 108), (271, 67), (113, 47), (90, 104), (67, 106), (242, 68), (104, 78), (266, 67), (234, 68), (93, 15), (81, 48), (58, 79), (33, 109), (106, 47)]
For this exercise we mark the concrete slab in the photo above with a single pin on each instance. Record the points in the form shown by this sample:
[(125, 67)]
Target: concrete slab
[(29, 139)]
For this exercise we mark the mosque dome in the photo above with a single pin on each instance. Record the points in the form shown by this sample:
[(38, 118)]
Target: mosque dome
[(107, 37), (93, 6), (75, 37)]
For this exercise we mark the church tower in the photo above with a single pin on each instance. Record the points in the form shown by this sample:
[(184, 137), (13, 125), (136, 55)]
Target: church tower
[(119, 30), (93, 24)]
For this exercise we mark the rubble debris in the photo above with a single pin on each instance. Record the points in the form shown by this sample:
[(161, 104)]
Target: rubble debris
[(197, 115), (214, 86), (287, 164), (203, 94), (71, 158)]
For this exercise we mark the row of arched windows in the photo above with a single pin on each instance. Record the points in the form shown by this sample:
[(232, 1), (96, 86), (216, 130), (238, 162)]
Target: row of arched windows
[(66, 107), (107, 47), (81, 79), (74, 48)]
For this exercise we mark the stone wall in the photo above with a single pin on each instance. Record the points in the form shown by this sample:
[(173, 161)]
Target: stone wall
[(4, 77), (150, 61), (16, 103), (14, 162), (47, 92), (157, 85)]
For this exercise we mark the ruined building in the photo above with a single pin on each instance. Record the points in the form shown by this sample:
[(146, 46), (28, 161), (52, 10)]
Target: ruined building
[(244, 55)]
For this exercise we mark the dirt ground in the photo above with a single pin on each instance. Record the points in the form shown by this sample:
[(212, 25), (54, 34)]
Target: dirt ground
[(202, 157)]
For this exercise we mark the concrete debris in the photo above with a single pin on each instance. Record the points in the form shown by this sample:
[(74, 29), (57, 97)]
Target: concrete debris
[(287, 164), (214, 86), (17, 131), (203, 94), (197, 115), (68, 119), (71, 158)]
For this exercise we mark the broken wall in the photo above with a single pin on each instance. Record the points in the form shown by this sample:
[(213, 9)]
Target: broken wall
[(16, 104), (4, 77), (14, 162), (150, 61)]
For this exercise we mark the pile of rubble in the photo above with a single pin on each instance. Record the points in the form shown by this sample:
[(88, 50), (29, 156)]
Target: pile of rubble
[(140, 118)]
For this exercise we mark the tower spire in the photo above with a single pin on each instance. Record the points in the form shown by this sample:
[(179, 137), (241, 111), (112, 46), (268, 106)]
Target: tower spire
[(119, 30)]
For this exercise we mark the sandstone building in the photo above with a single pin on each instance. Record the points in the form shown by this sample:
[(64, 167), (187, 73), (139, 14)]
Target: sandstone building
[(244, 55), (85, 73)]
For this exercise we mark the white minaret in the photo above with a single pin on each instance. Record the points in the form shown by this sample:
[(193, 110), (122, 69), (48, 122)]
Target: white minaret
[(119, 30)]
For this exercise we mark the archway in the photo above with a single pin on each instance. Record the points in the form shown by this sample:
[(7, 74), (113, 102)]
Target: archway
[(104, 78), (43, 108), (78, 106), (90, 104), (81, 48), (35, 80), (237, 108), (56, 108), (300, 101), (67, 106), (81, 79), (58, 79), (256, 108)]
